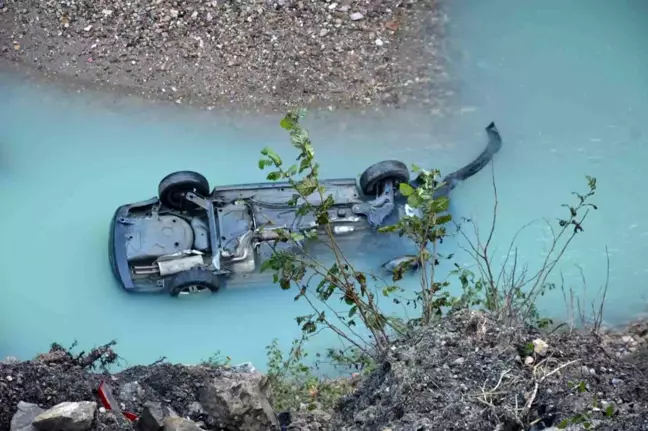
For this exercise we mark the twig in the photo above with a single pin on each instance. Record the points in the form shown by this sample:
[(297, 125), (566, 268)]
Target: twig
[(558, 369), (599, 318)]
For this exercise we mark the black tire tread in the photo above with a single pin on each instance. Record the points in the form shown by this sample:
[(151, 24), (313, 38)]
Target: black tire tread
[(196, 276), (183, 179), (394, 170)]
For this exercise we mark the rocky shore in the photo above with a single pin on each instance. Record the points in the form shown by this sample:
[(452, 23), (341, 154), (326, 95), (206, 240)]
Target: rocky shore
[(245, 54), (466, 372)]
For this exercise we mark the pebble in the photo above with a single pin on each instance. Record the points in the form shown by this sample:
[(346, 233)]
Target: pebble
[(356, 16), (540, 346), (459, 361)]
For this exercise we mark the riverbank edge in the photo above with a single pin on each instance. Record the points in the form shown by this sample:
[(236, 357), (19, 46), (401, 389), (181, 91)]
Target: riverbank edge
[(617, 353)]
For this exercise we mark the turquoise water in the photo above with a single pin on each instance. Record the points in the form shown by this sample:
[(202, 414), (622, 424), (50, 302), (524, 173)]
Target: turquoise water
[(565, 83)]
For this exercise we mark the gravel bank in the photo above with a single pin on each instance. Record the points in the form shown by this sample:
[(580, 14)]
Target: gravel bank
[(231, 53)]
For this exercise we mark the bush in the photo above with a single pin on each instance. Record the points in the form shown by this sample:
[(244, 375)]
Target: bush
[(508, 293)]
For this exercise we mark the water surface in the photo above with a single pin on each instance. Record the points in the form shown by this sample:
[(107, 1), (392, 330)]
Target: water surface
[(565, 83)]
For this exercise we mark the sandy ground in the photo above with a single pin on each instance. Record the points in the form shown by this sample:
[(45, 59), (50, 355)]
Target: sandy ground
[(268, 54)]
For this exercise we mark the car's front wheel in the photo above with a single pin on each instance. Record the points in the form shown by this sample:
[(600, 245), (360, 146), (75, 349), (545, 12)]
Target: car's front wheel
[(193, 281), (375, 175), (173, 188)]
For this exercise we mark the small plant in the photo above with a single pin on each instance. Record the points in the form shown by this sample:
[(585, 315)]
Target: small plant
[(217, 360), (316, 282), (293, 385), (585, 418), (426, 228), (512, 292)]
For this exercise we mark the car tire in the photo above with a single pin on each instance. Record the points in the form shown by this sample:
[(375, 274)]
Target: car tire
[(173, 187), (201, 279), (388, 170)]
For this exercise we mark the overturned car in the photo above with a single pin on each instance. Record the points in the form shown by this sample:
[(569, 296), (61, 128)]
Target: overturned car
[(189, 238)]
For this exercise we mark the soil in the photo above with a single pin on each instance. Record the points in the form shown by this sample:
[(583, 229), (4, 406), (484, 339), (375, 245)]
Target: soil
[(261, 54), (470, 373), (466, 372)]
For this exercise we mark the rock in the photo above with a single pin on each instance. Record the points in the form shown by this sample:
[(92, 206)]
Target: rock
[(528, 360), (23, 418), (131, 391), (195, 409), (152, 417), (238, 401), (245, 367), (459, 361), (67, 416), (356, 16), (180, 424), (540, 347)]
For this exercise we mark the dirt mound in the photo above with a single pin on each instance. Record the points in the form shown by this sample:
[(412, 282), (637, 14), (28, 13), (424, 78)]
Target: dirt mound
[(228, 398), (465, 372), (470, 373)]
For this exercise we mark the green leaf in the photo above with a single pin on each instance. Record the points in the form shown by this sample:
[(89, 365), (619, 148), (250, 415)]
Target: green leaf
[(274, 176), (413, 201), (441, 204), (309, 327), (386, 229), (444, 219), (289, 121), (310, 234), (303, 165), (264, 162), (272, 156), (295, 236), (306, 187), (406, 189)]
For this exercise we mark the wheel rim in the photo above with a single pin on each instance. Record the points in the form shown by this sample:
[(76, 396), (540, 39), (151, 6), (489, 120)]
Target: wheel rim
[(176, 197), (193, 289)]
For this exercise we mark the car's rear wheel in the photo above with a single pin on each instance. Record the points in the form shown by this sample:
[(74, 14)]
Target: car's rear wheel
[(173, 188), (375, 175), (193, 281)]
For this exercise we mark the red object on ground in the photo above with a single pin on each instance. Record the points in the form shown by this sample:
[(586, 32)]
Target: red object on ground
[(110, 403)]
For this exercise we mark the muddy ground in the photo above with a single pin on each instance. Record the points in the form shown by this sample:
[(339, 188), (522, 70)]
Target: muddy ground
[(466, 372), (244, 54)]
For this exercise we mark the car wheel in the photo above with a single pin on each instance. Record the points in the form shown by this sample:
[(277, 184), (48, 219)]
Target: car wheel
[(193, 281), (173, 188), (388, 170)]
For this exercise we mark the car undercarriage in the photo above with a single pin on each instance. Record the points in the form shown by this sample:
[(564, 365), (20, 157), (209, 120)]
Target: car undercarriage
[(190, 238)]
